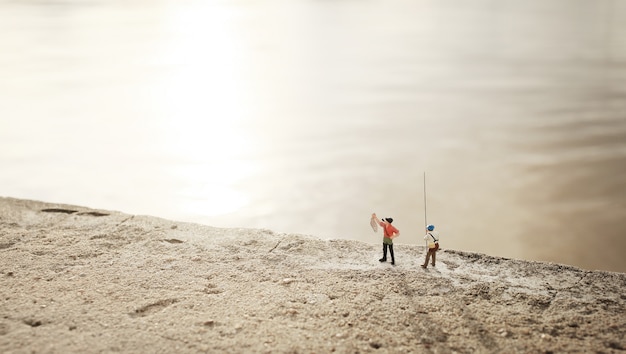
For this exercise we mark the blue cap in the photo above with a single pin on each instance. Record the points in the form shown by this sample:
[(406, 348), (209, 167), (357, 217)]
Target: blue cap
[(431, 227)]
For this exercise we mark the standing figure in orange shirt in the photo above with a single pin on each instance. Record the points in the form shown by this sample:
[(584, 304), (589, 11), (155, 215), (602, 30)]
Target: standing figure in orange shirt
[(389, 233)]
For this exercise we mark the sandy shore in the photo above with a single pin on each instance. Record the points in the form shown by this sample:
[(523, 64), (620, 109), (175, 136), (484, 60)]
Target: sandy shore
[(79, 280)]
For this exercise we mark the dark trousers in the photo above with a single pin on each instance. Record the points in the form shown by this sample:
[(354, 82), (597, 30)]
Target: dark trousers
[(431, 252), (385, 246)]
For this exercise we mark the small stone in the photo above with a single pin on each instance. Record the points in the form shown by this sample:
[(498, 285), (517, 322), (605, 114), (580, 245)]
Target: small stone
[(375, 345)]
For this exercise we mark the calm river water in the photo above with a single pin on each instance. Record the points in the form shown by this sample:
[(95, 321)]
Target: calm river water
[(306, 116)]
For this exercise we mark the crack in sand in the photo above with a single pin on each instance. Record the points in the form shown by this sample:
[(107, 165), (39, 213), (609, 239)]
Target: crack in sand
[(59, 210), (557, 292), (125, 220), (151, 308), (273, 248), (93, 213)]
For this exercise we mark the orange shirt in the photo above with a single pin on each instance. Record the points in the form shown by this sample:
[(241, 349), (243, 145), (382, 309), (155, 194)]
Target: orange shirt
[(388, 229)]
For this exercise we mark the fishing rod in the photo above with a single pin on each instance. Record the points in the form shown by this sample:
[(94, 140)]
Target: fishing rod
[(425, 220)]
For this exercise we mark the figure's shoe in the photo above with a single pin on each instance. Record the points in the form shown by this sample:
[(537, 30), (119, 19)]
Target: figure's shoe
[(393, 263), (424, 265), (433, 264), (383, 260)]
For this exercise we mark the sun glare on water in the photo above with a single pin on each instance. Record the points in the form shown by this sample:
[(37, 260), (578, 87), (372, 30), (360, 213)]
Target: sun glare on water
[(205, 99)]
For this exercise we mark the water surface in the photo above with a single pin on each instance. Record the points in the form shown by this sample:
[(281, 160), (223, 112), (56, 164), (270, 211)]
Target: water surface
[(307, 116)]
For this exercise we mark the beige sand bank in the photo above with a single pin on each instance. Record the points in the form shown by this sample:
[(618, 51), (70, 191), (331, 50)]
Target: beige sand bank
[(78, 280)]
